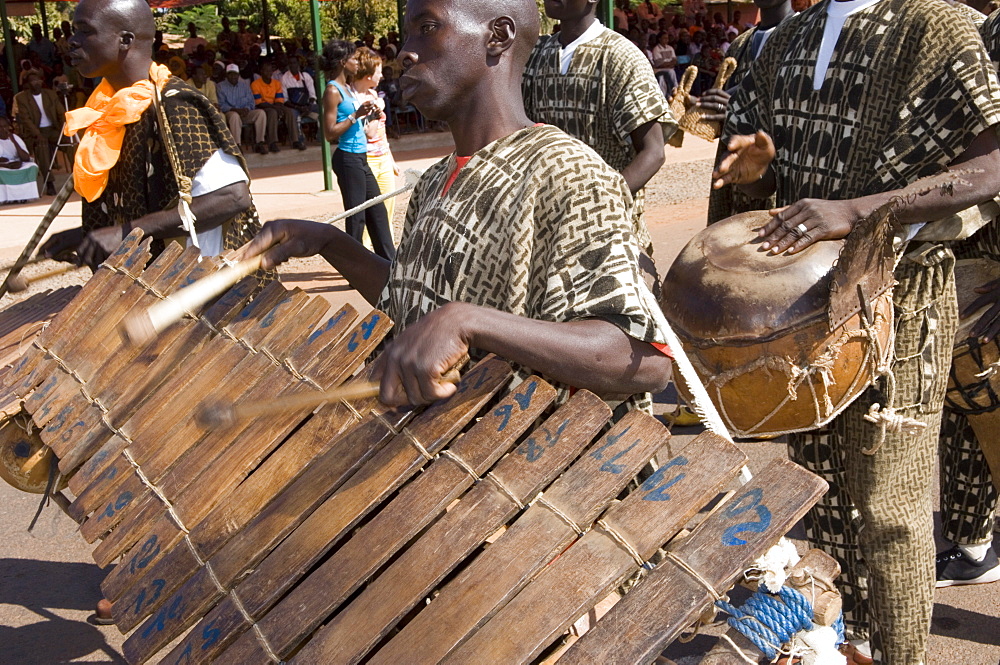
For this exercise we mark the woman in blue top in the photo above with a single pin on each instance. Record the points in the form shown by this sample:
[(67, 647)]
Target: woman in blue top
[(343, 121)]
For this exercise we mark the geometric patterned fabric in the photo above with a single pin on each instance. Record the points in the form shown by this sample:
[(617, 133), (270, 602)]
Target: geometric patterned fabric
[(608, 92), (535, 224), (143, 182), (730, 200), (908, 89)]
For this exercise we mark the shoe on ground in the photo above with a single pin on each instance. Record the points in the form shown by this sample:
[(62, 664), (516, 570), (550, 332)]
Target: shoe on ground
[(274, 147), (50, 188), (301, 145), (685, 417), (955, 568), (261, 148), (854, 655)]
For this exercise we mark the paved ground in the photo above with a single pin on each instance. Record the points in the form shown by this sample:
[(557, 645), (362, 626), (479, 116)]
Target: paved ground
[(48, 582)]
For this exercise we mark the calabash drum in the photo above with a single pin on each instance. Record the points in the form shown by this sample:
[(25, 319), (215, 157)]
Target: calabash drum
[(973, 387), (757, 329)]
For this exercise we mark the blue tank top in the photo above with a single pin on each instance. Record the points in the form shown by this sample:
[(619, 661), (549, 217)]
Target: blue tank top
[(354, 139)]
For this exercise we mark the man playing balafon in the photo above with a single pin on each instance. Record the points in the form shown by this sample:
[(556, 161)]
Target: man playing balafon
[(123, 169), (520, 244), (849, 102)]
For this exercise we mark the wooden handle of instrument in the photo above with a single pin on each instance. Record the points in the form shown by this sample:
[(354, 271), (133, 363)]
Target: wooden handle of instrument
[(218, 415), (140, 328), (29, 262), (36, 238), (18, 283)]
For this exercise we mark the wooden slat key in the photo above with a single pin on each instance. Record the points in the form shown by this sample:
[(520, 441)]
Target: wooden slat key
[(565, 509), (705, 564), (626, 536), (483, 509), (416, 506)]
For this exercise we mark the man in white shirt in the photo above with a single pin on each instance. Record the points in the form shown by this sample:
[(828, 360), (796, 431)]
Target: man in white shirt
[(40, 114), (300, 91)]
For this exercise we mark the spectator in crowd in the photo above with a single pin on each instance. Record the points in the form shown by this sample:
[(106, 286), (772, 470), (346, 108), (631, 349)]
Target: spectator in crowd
[(225, 41), (269, 95), (200, 82), (40, 116), (648, 11), (245, 38), (300, 94), (380, 160), (344, 120), (218, 72), (237, 103), (61, 43), (664, 64), (40, 45), (192, 43), (18, 174)]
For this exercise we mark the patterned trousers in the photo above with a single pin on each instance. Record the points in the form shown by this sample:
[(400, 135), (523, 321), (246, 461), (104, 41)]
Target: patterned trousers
[(968, 496), (877, 518)]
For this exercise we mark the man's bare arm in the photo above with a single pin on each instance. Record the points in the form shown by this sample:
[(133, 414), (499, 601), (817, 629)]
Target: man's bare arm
[(648, 140)]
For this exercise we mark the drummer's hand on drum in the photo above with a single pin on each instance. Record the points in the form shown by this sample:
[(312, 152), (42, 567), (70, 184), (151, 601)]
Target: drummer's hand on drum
[(283, 239), (413, 366), (988, 325), (746, 162), (795, 227)]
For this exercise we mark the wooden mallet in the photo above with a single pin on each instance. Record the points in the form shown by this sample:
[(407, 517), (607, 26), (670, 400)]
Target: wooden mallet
[(20, 282), (215, 415), (141, 327)]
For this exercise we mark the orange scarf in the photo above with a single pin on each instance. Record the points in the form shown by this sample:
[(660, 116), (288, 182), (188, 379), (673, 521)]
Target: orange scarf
[(104, 117)]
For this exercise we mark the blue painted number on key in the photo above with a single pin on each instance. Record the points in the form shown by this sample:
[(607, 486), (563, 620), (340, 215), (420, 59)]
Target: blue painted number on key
[(523, 400), (123, 500), (656, 486), (609, 466), (156, 588), (749, 501), (533, 450), (149, 550), (167, 612), (210, 635)]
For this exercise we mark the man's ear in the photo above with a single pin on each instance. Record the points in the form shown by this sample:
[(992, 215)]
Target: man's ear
[(126, 39), (502, 36)]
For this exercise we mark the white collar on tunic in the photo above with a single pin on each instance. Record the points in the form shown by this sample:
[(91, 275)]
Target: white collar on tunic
[(837, 12), (595, 30)]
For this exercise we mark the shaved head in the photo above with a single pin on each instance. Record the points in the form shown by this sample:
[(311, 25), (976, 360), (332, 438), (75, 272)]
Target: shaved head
[(524, 14), (113, 39), (135, 16), (463, 61)]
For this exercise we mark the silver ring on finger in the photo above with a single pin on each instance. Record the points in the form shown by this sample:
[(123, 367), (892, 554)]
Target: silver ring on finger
[(802, 229)]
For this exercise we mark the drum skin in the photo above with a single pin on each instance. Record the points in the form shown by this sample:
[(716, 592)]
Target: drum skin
[(756, 329)]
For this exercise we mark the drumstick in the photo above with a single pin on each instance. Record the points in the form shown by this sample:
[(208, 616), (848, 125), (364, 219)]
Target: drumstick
[(141, 327), (215, 415), (36, 238), (19, 282), (29, 262)]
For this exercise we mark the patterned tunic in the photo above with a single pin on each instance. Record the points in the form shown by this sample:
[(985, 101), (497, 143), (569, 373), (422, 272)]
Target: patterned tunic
[(516, 232), (609, 92), (143, 181), (871, 128), (731, 200)]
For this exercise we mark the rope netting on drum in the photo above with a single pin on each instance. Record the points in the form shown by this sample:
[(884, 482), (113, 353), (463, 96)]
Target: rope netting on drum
[(820, 371)]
